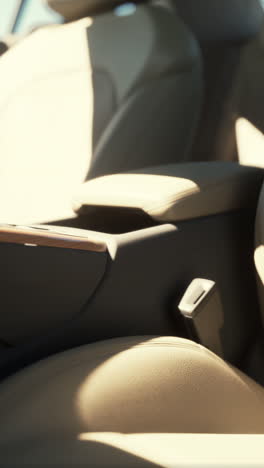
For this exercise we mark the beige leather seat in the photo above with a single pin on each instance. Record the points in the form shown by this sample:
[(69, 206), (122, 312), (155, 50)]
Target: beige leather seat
[(83, 406), (95, 96)]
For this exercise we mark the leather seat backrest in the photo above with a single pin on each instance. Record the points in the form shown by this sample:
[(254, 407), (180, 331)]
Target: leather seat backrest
[(92, 97), (224, 29), (247, 101)]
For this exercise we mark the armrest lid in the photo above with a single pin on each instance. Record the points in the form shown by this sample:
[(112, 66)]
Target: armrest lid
[(174, 192)]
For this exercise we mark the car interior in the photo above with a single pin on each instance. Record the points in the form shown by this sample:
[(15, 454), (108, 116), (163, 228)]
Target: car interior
[(132, 235)]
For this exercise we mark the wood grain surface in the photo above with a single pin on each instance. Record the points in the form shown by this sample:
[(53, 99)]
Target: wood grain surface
[(50, 238)]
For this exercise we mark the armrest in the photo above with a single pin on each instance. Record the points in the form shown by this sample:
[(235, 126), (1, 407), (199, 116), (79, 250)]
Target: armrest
[(174, 192)]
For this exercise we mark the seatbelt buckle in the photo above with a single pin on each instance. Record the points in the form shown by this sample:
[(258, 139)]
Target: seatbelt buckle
[(203, 314)]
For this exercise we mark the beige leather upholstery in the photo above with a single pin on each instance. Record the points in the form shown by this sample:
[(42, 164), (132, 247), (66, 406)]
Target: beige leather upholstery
[(127, 386), (82, 98), (174, 192)]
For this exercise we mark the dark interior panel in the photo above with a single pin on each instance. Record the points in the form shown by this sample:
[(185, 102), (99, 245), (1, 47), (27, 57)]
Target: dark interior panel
[(135, 292), (44, 287), (152, 268)]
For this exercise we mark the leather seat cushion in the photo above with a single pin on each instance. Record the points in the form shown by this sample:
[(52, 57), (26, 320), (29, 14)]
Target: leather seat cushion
[(125, 402), (130, 385)]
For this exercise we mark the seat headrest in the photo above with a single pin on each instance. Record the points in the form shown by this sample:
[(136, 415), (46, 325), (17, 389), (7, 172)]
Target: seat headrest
[(73, 10), (225, 20)]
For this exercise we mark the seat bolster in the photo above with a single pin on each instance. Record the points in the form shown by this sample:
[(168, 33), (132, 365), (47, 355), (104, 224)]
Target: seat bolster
[(174, 192)]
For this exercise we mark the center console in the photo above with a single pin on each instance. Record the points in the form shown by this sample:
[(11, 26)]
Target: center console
[(63, 287)]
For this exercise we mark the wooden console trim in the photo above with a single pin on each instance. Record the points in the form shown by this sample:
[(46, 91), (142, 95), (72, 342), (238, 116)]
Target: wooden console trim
[(48, 238)]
